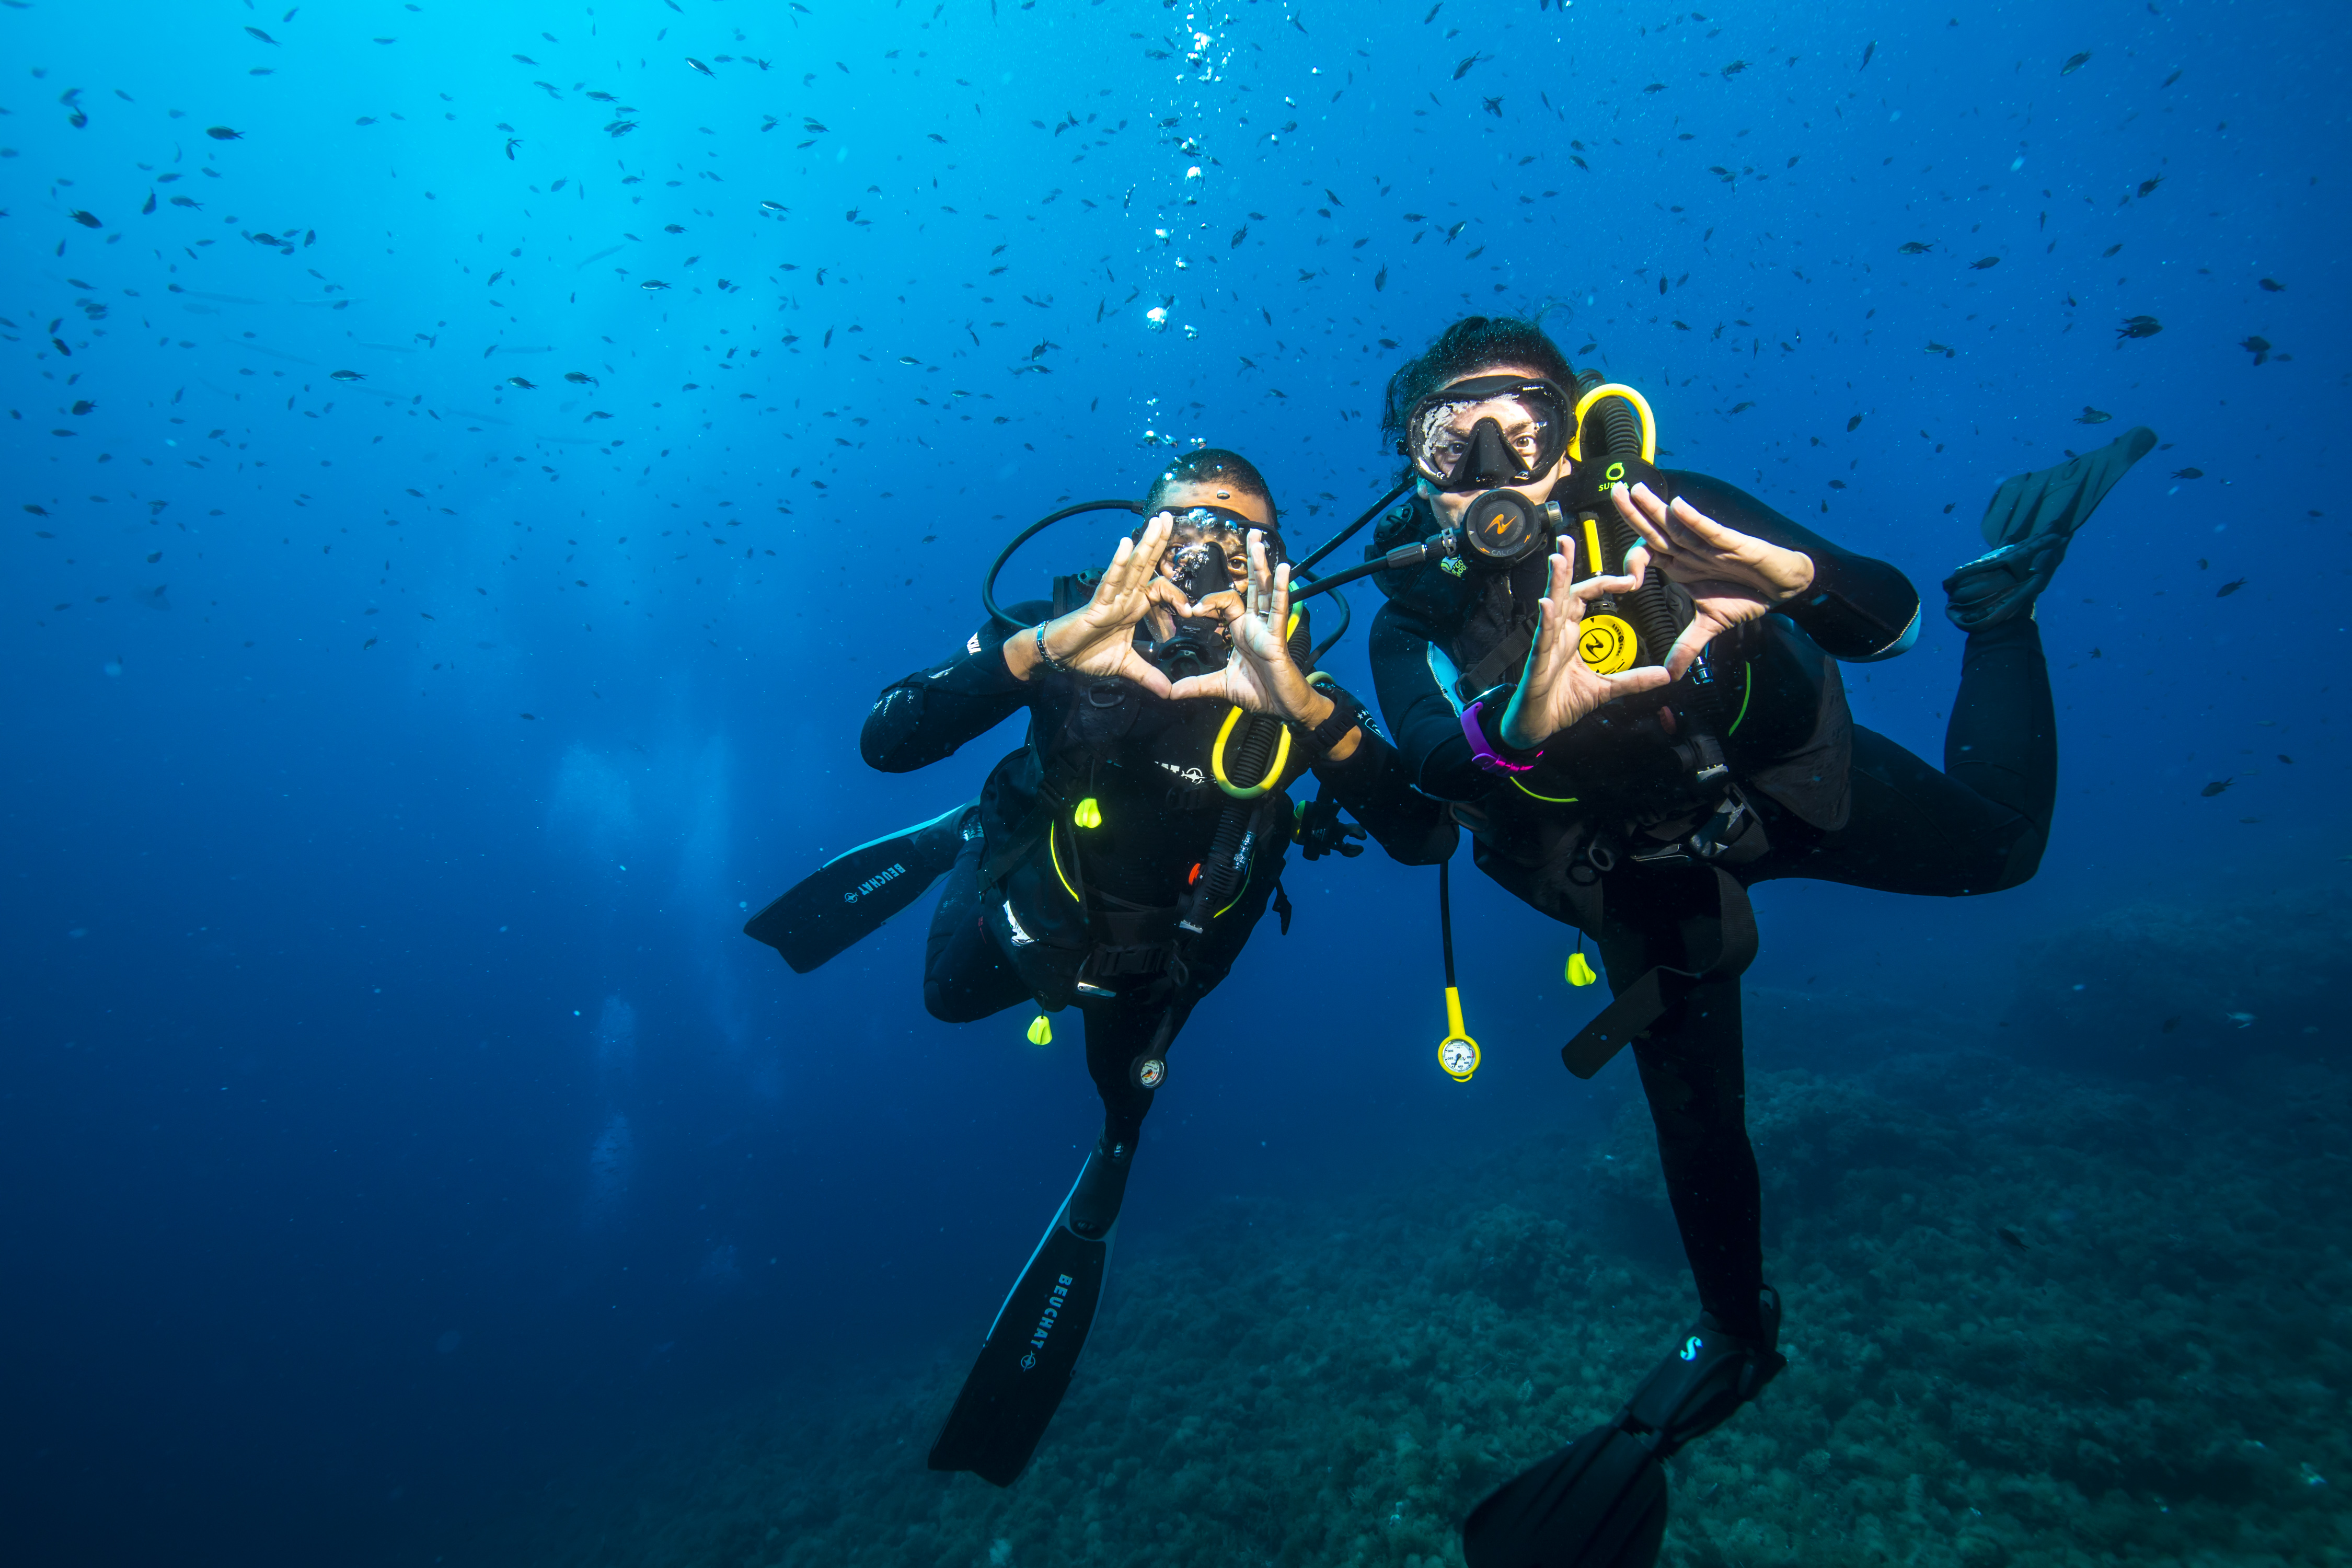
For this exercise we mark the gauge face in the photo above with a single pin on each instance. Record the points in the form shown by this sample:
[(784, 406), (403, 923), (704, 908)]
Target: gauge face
[(1458, 1056), (1151, 1073)]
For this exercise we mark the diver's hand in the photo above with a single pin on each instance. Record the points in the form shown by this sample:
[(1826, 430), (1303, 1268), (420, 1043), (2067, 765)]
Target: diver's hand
[(1559, 687), (1732, 576), (1098, 638), (1260, 677)]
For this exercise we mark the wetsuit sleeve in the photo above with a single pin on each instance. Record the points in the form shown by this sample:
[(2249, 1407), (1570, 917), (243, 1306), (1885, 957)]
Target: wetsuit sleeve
[(1858, 609), (1378, 791), (1431, 750), (926, 715)]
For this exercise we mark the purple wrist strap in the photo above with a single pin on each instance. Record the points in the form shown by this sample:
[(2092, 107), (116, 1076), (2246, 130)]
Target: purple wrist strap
[(1481, 753)]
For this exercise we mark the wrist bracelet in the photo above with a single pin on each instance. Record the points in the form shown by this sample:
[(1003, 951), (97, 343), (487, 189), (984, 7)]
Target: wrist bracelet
[(1482, 751), (1058, 666)]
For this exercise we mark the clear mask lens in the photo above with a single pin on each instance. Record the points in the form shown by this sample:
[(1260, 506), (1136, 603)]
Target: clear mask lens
[(1443, 437)]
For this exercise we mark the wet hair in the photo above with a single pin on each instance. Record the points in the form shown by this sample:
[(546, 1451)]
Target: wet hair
[(1471, 344), (1215, 465)]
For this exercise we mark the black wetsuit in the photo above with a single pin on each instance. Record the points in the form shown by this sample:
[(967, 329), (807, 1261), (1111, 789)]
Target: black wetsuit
[(1836, 802), (1035, 904)]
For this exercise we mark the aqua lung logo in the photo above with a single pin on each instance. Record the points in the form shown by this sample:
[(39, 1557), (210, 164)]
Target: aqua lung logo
[(1046, 1322), (867, 886)]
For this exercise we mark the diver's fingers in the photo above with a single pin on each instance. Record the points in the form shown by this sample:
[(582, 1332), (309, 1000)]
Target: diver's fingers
[(1632, 683), (1144, 673), (1637, 564), (1638, 519), (1279, 604), (1199, 686)]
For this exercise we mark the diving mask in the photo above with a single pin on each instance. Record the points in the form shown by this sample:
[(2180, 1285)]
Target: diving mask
[(1488, 431)]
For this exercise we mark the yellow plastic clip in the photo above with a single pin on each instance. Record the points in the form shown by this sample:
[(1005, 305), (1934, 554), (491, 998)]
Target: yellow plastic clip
[(1641, 406), (1579, 969), (1457, 1054), (1041, 1030), (1089, 812)]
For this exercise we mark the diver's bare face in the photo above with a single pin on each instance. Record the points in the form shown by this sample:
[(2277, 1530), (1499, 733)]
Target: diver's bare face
[(1519, 429)]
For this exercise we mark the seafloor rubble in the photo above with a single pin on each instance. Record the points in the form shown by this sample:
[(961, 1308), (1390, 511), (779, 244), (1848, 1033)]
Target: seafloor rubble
[(2032, 1319)]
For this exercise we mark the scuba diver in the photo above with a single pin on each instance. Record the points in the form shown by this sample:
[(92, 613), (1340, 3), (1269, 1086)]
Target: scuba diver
[(1625, 680), (1119, 860)]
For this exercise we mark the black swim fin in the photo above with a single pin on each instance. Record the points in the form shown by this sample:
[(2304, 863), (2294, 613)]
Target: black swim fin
[(1026, 1364), (851, 895), (1601, 1503), (2029, 522)]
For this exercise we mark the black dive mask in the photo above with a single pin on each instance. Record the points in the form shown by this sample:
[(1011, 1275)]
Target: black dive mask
[(1519, 426)]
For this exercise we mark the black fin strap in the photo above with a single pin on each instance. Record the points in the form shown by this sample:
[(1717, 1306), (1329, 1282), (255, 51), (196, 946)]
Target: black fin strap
[(1697, 1389), (1647, 999)]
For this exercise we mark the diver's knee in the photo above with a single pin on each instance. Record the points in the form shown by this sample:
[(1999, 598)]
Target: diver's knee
[(2018, 867)]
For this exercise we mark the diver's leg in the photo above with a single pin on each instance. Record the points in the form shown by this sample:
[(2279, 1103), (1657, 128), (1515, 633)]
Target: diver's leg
[(966, 976), (2002, 741), (1138, 1025), (1694, 1072)]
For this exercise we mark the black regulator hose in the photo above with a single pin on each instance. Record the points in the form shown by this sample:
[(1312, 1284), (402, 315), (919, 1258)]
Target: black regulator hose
[(988, 584)]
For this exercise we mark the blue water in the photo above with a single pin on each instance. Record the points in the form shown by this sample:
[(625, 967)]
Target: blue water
[(394, 1118)]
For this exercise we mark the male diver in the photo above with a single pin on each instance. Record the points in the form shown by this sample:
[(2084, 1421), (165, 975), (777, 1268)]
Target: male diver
[(1119, 859), (1630, 763)]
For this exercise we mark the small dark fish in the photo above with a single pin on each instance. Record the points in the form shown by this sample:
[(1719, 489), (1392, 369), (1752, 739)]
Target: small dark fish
[(531, 716), (1494, 106), (2012, 1237), (345, 376), (2257, 347), (2170, 1024), (1982, 262), (1379, 280), (1742, 407), (2147, 187), (2226, 589), (2287, 760), (1853, 425), (367, 645), (2139, 327), (2217, 786), (1936, 348), (2111, 250), (222, 133), (83, 406), (149, 206), (698, 65), (88, 220), (1656, 87), (187, 202), (2173, 77), (1868, 50), (1734, 69), (2077, 63), (653, 285), (2272, 285), (2091, 416), (620, 128), (2187, 473), (262, 35), (673, 228), (1915, 248), (519, 381), (1464, 68), (580, 378), (512, 142)]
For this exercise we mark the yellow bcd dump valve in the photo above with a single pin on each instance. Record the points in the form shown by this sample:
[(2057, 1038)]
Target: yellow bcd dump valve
[(1579, 969), (1041, 1030)]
